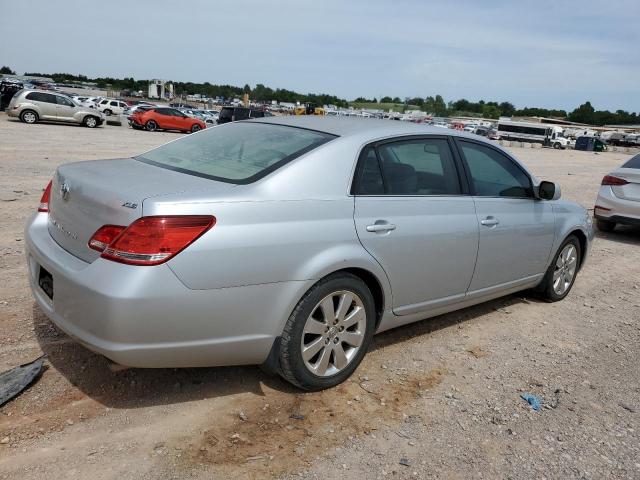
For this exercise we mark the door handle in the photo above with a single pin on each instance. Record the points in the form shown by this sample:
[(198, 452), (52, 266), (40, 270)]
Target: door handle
[(381, 227), (490, 221)]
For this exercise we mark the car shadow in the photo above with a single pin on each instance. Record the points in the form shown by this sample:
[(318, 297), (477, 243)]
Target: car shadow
[(139, 387), (629, 234)]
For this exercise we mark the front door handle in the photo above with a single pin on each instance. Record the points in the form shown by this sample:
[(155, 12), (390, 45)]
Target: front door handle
[(490, 221), (381, 227)]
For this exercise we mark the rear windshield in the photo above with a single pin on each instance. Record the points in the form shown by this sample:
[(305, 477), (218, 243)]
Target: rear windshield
[(633, 163), (237, 153)]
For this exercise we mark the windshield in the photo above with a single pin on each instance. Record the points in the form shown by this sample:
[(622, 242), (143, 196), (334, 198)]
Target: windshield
[(238, 153)]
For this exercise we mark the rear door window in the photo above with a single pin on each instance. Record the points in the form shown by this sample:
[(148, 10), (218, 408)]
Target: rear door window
[(419, 167), (42, 97)]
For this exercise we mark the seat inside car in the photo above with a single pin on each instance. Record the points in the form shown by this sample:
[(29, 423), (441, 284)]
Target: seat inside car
[(402, 178)]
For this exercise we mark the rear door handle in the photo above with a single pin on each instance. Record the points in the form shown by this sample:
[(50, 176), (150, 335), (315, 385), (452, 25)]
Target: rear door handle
[(490, 221), (381, 227)]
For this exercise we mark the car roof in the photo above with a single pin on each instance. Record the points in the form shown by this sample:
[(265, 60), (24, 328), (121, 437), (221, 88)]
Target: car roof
[(348, 126)]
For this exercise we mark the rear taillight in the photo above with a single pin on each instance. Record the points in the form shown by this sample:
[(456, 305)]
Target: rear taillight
[(104, 236), (611, 180), (44, 201), (154, 240)]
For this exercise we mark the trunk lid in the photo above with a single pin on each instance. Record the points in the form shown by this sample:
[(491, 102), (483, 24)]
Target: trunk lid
[(87, 195), (630, 191)]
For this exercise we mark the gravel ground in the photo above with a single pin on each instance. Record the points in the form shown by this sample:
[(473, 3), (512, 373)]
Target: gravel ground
[(436, 399)]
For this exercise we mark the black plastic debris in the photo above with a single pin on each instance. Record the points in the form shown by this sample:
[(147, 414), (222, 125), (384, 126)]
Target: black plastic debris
[(14, 381)]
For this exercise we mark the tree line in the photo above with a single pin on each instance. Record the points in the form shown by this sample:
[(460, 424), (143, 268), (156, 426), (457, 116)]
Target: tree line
[(436, 105)]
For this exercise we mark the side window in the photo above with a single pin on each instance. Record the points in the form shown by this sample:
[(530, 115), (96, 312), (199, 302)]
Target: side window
[(163, 111), (64, 101), (419, 167), (368, 176), (493, 174), (114, 104), (47, 97)]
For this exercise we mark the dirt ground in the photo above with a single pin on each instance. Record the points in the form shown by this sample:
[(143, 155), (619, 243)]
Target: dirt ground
[(437, 399)]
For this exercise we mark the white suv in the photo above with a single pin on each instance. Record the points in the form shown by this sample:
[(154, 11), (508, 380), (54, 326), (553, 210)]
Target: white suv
[(112, 107)]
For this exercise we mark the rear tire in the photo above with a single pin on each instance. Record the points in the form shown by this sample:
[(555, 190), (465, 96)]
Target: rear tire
[(605, 225), (107, 112), (29, 116), (151, 126), (562, 272), (90, 121), (337, 316)]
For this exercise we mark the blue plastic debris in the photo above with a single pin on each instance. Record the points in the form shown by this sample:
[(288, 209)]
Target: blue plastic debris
[(531, 400)]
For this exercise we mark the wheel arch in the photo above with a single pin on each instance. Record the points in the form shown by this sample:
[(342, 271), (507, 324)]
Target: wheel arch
[(582, 240), (375, 287)]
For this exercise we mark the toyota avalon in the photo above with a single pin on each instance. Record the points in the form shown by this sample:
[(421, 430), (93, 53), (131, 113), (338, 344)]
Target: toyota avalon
[(289, 242)]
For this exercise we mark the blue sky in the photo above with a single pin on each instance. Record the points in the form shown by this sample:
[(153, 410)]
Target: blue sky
[(542, 53)]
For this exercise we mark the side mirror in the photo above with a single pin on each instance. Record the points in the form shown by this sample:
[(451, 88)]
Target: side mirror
[(548, 191)]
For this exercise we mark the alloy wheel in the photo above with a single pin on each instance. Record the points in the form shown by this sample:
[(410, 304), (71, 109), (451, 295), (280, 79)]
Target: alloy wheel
[(333, 333), (29, 117), (565, 270)]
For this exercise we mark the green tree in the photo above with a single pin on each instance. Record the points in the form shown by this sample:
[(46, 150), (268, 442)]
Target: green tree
[(490, 111), (507, 109), (440, 107), (6, 70), (583, 114), (386, 100)]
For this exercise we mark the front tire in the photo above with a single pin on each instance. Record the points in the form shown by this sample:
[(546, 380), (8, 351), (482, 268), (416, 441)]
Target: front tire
[(90, 121), (107, 112), (29, 116), (557, 146), (562, 272), (605, 225), (196, 128), (328, 333)]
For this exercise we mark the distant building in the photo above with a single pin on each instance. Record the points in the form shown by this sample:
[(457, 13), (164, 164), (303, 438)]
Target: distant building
[(160, 89)]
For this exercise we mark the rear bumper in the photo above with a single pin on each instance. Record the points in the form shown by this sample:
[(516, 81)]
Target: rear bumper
[(616, 209), (146, 317), (620, 219)]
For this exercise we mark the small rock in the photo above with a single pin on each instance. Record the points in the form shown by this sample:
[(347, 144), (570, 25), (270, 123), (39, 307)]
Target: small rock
[(69, 422), (5, 440), (405, 461), (243, 416)]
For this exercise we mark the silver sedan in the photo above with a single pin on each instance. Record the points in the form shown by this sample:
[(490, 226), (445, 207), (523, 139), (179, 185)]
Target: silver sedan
[(289, 242), (618, 200)]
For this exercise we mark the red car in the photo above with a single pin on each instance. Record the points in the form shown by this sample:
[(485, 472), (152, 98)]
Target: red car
[(164, 118)]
